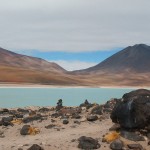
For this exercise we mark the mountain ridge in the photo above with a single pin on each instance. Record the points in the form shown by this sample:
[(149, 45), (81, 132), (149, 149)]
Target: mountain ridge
[(128, 67), (134, 58), (9, 58)]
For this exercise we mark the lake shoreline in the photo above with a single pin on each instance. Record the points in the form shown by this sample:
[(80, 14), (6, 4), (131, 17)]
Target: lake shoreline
[(66, 86), (58, 128)]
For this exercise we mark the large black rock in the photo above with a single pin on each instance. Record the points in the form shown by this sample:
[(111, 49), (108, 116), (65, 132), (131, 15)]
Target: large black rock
[(133, 110)]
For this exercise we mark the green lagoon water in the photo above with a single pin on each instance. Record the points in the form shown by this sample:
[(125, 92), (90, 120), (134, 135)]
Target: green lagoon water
[(21, 97)]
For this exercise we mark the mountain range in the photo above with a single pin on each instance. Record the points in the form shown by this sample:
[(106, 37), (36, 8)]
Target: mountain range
[(128, 67)]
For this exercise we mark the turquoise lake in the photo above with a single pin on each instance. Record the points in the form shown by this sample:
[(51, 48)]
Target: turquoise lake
[(21, 97)]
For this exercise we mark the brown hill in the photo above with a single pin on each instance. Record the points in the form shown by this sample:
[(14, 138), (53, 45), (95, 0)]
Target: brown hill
[(16, 68), (129, 67), (11, 59)]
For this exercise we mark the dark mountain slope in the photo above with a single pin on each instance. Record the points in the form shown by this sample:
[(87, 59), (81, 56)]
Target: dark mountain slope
[(133, 58)]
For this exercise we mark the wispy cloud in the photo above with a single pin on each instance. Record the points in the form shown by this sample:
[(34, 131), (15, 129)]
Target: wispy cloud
[(74, 65), (73, 25)]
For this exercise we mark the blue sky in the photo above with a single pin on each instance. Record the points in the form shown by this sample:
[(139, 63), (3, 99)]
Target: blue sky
[(72, 60), (76, 34)]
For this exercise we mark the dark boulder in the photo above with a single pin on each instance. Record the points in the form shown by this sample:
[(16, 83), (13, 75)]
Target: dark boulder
[(88, 143), (55, 115), (4, 111), (32, 118), (65, 121), (137, 94), (50, 126), (92, 118), (131, 136), (75, 116), (133, 110), (117, 145), (135, 146), (19, 115), (97, 110), (44, 110), (35, 147), (25, 111), (6, 121), (86, 104), (13, 112), (25, 130)]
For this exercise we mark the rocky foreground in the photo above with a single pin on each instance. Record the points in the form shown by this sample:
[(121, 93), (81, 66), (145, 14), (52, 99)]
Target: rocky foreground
[(119, 124)]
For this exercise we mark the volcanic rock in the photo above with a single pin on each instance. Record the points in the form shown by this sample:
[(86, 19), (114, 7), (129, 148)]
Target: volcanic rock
[(116, 145), (97, 110), (6, 121), (35, 147), (23, 110), (92, 118), (43, 110), (25, 130), (50, 126), (88, 143), (4, 110), (131, 136), (75, 116), (133, 111), (65, 121), (135, 146), (86, 104), (32, 118)]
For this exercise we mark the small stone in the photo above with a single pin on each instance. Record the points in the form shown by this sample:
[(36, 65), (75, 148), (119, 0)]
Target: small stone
[(73, 140), (50, 126), (26, 145), (116, 145), (88, 143), (97, 110), (131, 136), (65, 121), (25, 130), (92, 118), (35, 147), (77, 122), (135, 146)]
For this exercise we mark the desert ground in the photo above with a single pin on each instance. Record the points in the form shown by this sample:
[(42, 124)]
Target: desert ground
[(56, 132)]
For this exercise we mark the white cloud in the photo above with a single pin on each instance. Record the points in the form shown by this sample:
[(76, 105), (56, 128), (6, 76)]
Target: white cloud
[(73, 25), (74, 65)]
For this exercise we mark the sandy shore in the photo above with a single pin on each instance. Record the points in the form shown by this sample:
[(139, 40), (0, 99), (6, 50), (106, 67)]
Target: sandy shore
[(61, 136)]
